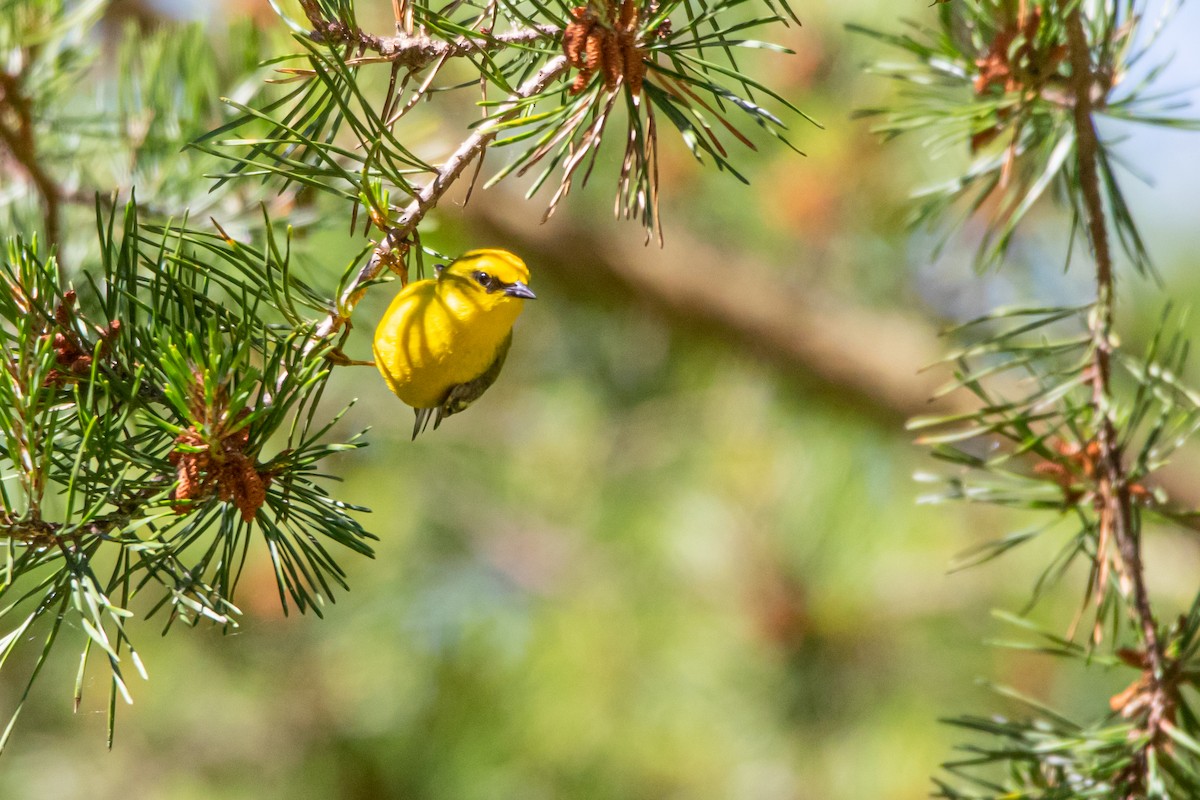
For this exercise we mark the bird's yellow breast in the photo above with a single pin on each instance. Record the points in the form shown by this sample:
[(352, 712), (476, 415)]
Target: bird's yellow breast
[(435, 336)]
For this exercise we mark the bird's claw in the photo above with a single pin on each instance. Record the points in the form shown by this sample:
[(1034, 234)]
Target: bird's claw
[(339, 358)]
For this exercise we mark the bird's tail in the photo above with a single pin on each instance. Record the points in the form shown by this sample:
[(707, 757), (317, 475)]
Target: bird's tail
[(423, 417)]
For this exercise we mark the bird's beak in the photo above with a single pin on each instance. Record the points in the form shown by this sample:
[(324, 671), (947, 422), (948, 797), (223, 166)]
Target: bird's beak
[(519, 289)]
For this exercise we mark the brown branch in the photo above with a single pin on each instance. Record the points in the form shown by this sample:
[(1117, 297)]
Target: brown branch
[(418, 50), (1114, 498), (18, 136), (36, 532), (398, 236)]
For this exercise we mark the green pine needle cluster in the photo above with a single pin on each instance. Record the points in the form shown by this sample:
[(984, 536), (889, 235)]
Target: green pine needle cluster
[(172, 347)]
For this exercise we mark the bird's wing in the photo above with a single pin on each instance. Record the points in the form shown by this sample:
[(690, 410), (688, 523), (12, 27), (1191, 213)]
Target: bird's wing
[(464, 394)]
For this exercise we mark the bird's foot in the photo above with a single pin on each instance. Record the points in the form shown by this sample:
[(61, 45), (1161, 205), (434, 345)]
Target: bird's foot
[(336, 356)]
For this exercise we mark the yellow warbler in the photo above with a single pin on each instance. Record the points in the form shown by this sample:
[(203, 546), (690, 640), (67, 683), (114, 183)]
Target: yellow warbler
[(442, 342)]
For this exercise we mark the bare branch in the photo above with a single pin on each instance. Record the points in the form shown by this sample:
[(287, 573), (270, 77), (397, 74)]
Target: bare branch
[(416, 50)]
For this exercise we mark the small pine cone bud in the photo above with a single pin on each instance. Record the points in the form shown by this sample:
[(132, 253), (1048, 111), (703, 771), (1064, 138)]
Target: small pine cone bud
[(635, 67), (612, 62), (227, 476), (237, 441), (594, 49), (187, 474), (579, 12), (628, 15), (581, 81), (65, 350), (107, 335), (574, 41), (251, 492), (62, 314), (193, 471), (82, 365)]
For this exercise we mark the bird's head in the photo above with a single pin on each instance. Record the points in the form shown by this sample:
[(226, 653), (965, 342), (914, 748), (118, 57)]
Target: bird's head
[(489, 278)]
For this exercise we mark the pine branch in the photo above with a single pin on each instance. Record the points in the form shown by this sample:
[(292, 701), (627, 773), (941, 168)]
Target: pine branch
[(1065, 422), (398, 237), (1113, 485), (415, 51)]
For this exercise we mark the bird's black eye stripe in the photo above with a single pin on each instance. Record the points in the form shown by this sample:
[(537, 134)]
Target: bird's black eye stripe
[(484, 280)]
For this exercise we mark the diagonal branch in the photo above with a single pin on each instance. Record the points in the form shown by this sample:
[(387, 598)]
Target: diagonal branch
[(398, 236)]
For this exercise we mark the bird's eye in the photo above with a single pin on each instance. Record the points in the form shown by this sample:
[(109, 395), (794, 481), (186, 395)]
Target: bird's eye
[(483, 279)]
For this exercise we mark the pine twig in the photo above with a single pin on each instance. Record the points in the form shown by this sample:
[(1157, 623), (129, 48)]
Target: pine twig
[(416, 50), (1113, 485), (397, 237)]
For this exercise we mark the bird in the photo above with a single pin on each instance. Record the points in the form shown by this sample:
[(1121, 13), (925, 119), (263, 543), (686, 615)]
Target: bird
[(443, 340)]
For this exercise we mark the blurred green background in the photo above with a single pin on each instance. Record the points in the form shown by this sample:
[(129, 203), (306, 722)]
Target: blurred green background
[(675, 551)]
